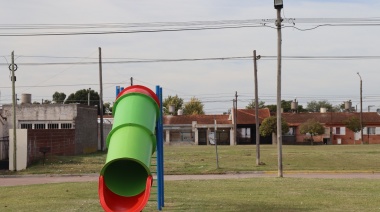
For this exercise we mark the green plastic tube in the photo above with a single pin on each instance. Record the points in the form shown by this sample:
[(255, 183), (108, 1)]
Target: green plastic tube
[(131, 142)]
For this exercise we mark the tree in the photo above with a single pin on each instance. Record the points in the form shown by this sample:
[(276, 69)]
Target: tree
[(81, 97), (194, 107), (107, 108), (252, 105), (353, 123), (286, 106), (269, 126), (172, 100), (315, 106), (46, 101), (59, 98), (312, 127)]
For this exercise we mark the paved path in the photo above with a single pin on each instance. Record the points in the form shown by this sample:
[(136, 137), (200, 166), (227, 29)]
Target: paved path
[(12, 180)]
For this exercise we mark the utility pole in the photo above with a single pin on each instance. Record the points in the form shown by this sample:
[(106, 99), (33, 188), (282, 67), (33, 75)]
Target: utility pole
[(131, 81), (256, 109), (88, 96), (14, 112), (216, 145), (361, 108), (236, 96), (278, 5), (101, 100)]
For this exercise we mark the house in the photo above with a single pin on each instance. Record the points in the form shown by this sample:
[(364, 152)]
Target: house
[(246, 126), (335, 130), (200, 129), (57, 129)]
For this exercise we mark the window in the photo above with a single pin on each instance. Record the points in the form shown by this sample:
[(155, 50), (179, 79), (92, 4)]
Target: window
[(26, 126), (53, 126), (292, 131), (66, 126), (339, 130), (39, 126), (371, 130)]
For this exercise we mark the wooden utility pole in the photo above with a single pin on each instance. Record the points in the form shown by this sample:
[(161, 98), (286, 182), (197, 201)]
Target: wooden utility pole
[(235, 116), (14, 102), (216, 145), (279, 129), (256, 110), (101, 100)]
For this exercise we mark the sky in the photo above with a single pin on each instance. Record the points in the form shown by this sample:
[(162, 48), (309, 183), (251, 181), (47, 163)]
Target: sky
[(214, 82)]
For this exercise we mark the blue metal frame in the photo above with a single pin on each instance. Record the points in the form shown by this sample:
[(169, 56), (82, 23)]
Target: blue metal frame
[(160, 153)]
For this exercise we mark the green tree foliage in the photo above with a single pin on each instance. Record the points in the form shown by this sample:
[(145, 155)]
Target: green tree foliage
[(59, 98), (315, 106), (312, 127), (353, 123), (286, 106), (269, 126), (252, 105), (81, 97), (172, 100), (107, 108), (46, 101), (194, 107)]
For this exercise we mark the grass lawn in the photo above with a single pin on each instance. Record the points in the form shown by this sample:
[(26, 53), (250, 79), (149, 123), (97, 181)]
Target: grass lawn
[(257, 194), (202, 160)]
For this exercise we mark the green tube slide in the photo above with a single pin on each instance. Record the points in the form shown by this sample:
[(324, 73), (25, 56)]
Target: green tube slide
[(131, 141)]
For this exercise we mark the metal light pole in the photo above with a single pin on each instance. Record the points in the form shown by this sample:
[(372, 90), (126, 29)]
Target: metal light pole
[(361, 107), (278, 5)]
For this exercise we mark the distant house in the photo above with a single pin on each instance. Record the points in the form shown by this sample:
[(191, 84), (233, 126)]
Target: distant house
[(335, 129), (246, 126), (200, 129)]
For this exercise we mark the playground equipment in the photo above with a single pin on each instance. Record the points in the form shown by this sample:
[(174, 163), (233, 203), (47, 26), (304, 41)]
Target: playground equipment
[(125, 180)]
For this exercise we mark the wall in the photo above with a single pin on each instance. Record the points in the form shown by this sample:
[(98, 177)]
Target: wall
[(86, 129), (57, 141)]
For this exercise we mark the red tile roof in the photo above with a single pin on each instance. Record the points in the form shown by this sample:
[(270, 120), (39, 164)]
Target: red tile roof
[(247, 116), (201, 119), (295, 119)]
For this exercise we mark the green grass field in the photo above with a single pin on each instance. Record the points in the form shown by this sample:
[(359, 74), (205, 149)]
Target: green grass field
[(258, 194), (202, 160)]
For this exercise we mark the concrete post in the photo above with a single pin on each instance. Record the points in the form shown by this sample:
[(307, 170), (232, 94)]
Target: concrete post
[(232, 143), (167, 140)]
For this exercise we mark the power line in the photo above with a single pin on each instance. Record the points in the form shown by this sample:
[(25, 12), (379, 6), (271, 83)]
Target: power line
[(248, 58), (178, 26)]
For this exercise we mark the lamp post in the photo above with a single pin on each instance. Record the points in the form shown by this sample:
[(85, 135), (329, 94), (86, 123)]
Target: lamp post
[(361, 107), (278, 5)]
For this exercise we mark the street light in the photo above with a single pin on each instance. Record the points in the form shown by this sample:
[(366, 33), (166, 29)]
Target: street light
[(361, 107), (278, 5)]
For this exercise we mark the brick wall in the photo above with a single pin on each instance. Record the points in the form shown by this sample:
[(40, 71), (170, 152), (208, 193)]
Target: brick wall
[(58, 142)]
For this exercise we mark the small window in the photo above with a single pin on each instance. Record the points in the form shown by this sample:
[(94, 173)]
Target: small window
[(371, 130), (66, 126), (39, 126), (53, 126), (26, 126), (292, 131)]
